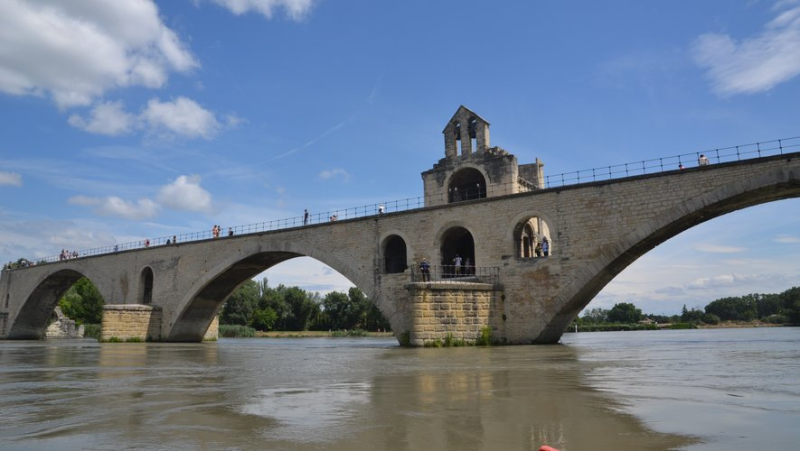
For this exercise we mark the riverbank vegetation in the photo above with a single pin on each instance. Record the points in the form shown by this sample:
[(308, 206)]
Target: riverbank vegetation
[(749, 310), (266, 309)]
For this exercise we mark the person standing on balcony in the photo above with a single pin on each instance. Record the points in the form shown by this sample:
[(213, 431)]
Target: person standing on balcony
[(703, 160), (425, 269), (457, 264)]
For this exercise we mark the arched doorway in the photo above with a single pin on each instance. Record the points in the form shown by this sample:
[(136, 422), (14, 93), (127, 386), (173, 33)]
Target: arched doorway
[(532, 238), (457, 242), (146, 286), (466, 184), (394, 255)]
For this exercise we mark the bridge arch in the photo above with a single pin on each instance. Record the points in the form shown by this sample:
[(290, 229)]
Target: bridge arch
[(456, 240), (32, 319), (778, 184), (202, 301)]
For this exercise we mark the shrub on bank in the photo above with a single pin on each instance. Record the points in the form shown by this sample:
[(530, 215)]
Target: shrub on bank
[(349, 333), (236, 331), (92, 331)]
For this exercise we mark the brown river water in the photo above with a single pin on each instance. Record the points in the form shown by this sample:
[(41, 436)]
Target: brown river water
[(733, 389)]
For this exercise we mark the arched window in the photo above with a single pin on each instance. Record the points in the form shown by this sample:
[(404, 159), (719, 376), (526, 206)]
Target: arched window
[(532, 238), (457, 242), (394, 255), (466, 184), (146, 286)]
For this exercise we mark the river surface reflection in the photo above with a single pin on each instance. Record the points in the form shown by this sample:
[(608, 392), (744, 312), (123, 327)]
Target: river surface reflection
[(695, 390)]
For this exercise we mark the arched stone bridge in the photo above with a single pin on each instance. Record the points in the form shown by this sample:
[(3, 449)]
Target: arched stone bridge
[(596, 230)]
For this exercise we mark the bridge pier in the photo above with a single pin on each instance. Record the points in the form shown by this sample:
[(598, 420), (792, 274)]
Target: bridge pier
[(138, 322), (443, 311)]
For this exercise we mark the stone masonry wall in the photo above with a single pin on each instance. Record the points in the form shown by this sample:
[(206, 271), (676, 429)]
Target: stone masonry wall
[(459, 311), (131, 321), (212, 333)]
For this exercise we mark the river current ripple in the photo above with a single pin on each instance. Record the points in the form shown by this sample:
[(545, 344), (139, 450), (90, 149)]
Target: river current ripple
[(725, 389)]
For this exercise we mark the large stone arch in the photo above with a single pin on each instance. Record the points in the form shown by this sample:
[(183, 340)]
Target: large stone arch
[(458, 172), (196, 311), (31, 321), (768, 187)]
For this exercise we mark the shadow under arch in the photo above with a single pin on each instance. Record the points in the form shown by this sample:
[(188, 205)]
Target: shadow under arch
[(31, 321), (769, 187), (189, 322)]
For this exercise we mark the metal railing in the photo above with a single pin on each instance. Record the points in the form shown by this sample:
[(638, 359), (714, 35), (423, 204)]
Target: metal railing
[(676, 162), (453, 274)]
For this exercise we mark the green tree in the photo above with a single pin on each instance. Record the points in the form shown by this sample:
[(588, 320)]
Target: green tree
[(82, 302), (337, 310), (791, 304), (595, 316), (264, 319), (239, 307), (734, 308), (694, 316), (301, 308), (624, 313), (768, 304)]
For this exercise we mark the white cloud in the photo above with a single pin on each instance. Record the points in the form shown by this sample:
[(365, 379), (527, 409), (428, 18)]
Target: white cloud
[(107, 118), (755, 64), (295, 9), (10, 178), (787, 239), (717, 249), (114, 206), (182, 116), (76, 51), (333, 173), (185, 193)]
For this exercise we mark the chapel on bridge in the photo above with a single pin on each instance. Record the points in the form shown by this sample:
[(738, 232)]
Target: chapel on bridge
[(472, 169)]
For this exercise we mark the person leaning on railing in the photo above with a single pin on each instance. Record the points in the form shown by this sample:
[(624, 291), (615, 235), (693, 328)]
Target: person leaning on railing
[(425, 269)]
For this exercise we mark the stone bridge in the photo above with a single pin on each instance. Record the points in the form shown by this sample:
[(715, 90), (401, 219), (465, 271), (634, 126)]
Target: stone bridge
[(594, 231)]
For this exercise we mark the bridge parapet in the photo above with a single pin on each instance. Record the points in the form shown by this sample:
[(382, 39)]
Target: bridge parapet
[(450, 274)]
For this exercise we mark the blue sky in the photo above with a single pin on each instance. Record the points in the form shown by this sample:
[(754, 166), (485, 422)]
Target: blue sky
[(131, 119)]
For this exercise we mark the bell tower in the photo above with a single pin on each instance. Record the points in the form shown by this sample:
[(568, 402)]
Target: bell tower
[(471, 169), (466, 132)]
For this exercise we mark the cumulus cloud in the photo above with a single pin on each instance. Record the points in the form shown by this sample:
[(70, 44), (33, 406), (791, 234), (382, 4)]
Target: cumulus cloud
[(182, 116), (334, 173), (185, 193), (757, 63), (107, 118), (114, 206), (76, 51), (295, 9), (10, 178)]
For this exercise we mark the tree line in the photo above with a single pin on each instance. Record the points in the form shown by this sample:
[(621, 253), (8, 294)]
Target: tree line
[(781, 308), (257, 305)]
